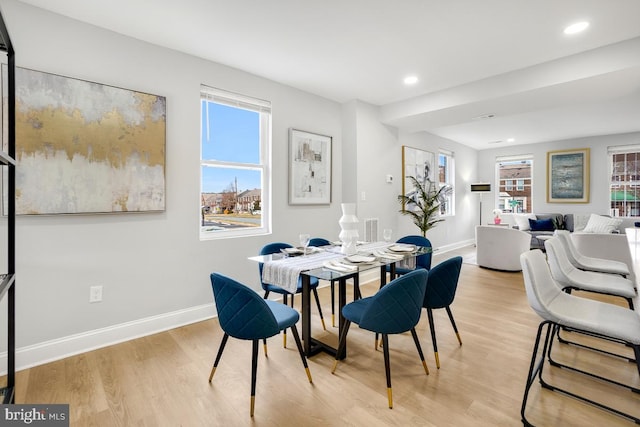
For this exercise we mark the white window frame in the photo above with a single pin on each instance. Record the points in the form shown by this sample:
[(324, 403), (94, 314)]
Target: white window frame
[(450, 180), (611, 151), (509, 183), (262, 107)]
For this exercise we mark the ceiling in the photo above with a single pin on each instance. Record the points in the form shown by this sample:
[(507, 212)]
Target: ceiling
[(503, 58)]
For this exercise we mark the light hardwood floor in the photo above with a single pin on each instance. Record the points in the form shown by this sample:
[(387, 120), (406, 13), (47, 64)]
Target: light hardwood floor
[(161, 380)]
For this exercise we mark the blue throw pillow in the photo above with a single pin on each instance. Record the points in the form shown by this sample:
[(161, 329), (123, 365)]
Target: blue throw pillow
[(541, 224)]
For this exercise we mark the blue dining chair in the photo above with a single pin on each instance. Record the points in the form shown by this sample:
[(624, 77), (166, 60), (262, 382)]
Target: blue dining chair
[(319, 241), (394, 309), (441, 290), (422, 261), (275, 248), (244, 315)]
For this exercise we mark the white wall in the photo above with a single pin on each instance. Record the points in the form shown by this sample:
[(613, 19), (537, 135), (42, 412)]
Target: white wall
[(151, 265), (379, 153), (599, 191)]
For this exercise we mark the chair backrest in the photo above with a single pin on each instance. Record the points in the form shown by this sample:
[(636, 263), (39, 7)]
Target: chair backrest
[(423, 261), (561, 268), (396, 307), (242, 313), (442, 283), (540, 286), (268, 249), (572, 252), (319, 241)]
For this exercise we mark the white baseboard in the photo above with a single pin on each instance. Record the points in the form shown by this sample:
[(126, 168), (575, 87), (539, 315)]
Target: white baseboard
[(49, 351)]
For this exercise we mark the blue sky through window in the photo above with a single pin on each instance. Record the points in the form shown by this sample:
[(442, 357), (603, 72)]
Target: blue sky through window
[(229, 134)]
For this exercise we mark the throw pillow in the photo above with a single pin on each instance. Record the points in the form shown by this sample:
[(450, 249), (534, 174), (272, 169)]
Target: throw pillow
[(541, 224), (522, 221), (601, 224)]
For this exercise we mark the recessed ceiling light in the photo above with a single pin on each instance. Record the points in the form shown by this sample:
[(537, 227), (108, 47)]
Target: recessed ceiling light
[(410, 80), (511, 139), (576, 28), (484, 117)]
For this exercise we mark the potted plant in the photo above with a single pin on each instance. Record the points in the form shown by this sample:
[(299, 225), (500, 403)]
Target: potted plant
[(423, 204)]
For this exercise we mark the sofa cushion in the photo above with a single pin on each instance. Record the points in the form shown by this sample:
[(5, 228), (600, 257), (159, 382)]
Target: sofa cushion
[(541, 224), (522, 221), (601, 224)]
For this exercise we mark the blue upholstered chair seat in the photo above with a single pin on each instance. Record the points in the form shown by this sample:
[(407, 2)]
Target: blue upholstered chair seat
[(275, 248), (441, 290), (422, 261), (244, 315), (285, 316), (394, 309)]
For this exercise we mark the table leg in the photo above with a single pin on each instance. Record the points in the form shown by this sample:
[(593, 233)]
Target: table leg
[(383, 273), (342, 301), (306, 313)]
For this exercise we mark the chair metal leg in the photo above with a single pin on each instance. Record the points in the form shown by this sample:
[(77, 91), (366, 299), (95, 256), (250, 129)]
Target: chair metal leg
[(342, 343), (333, 304), (264, 341), (356, 287), (534, 369), (415, 340), (296, 337), (315, 294), (453, 323), (254, 372), (553, 328), (433, 336), (387, 368), (285, 298), (225, 337)]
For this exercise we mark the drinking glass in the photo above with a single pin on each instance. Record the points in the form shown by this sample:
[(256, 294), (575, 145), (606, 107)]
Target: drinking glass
[(304, 242), (386, 235)]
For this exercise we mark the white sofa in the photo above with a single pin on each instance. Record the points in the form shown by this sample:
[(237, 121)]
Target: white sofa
[(499, 248)]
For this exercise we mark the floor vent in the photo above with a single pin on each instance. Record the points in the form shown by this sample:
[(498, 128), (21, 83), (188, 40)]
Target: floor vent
[(371, 229)]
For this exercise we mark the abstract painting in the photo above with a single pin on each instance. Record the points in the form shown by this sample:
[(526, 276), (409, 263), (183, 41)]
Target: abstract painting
[(84, 147), (309, 168), (568, 176), (419, 164)]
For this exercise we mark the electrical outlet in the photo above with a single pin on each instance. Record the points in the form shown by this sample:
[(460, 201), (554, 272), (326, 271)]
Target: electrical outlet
[(95, 294)]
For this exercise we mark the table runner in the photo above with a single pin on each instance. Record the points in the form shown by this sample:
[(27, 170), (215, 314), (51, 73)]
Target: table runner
[(286, 271)]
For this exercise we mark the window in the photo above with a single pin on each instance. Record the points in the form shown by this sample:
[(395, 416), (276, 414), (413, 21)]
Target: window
[(625, 180), (446, 178), (235, 165), (519, 170)]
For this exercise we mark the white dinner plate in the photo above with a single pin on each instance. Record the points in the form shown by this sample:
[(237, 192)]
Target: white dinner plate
[(360, 258), (292, 251), (402, 248)]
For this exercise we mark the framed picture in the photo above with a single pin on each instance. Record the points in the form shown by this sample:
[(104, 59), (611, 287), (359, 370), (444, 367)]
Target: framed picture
[(309, 168), (568, 176), (421, 165), (85, 147)]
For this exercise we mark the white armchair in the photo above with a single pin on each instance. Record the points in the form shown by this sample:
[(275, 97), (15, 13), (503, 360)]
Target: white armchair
[(500, 248)]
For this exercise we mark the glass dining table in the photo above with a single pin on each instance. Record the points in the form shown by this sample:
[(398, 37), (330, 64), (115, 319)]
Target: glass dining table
[(379, 255)]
